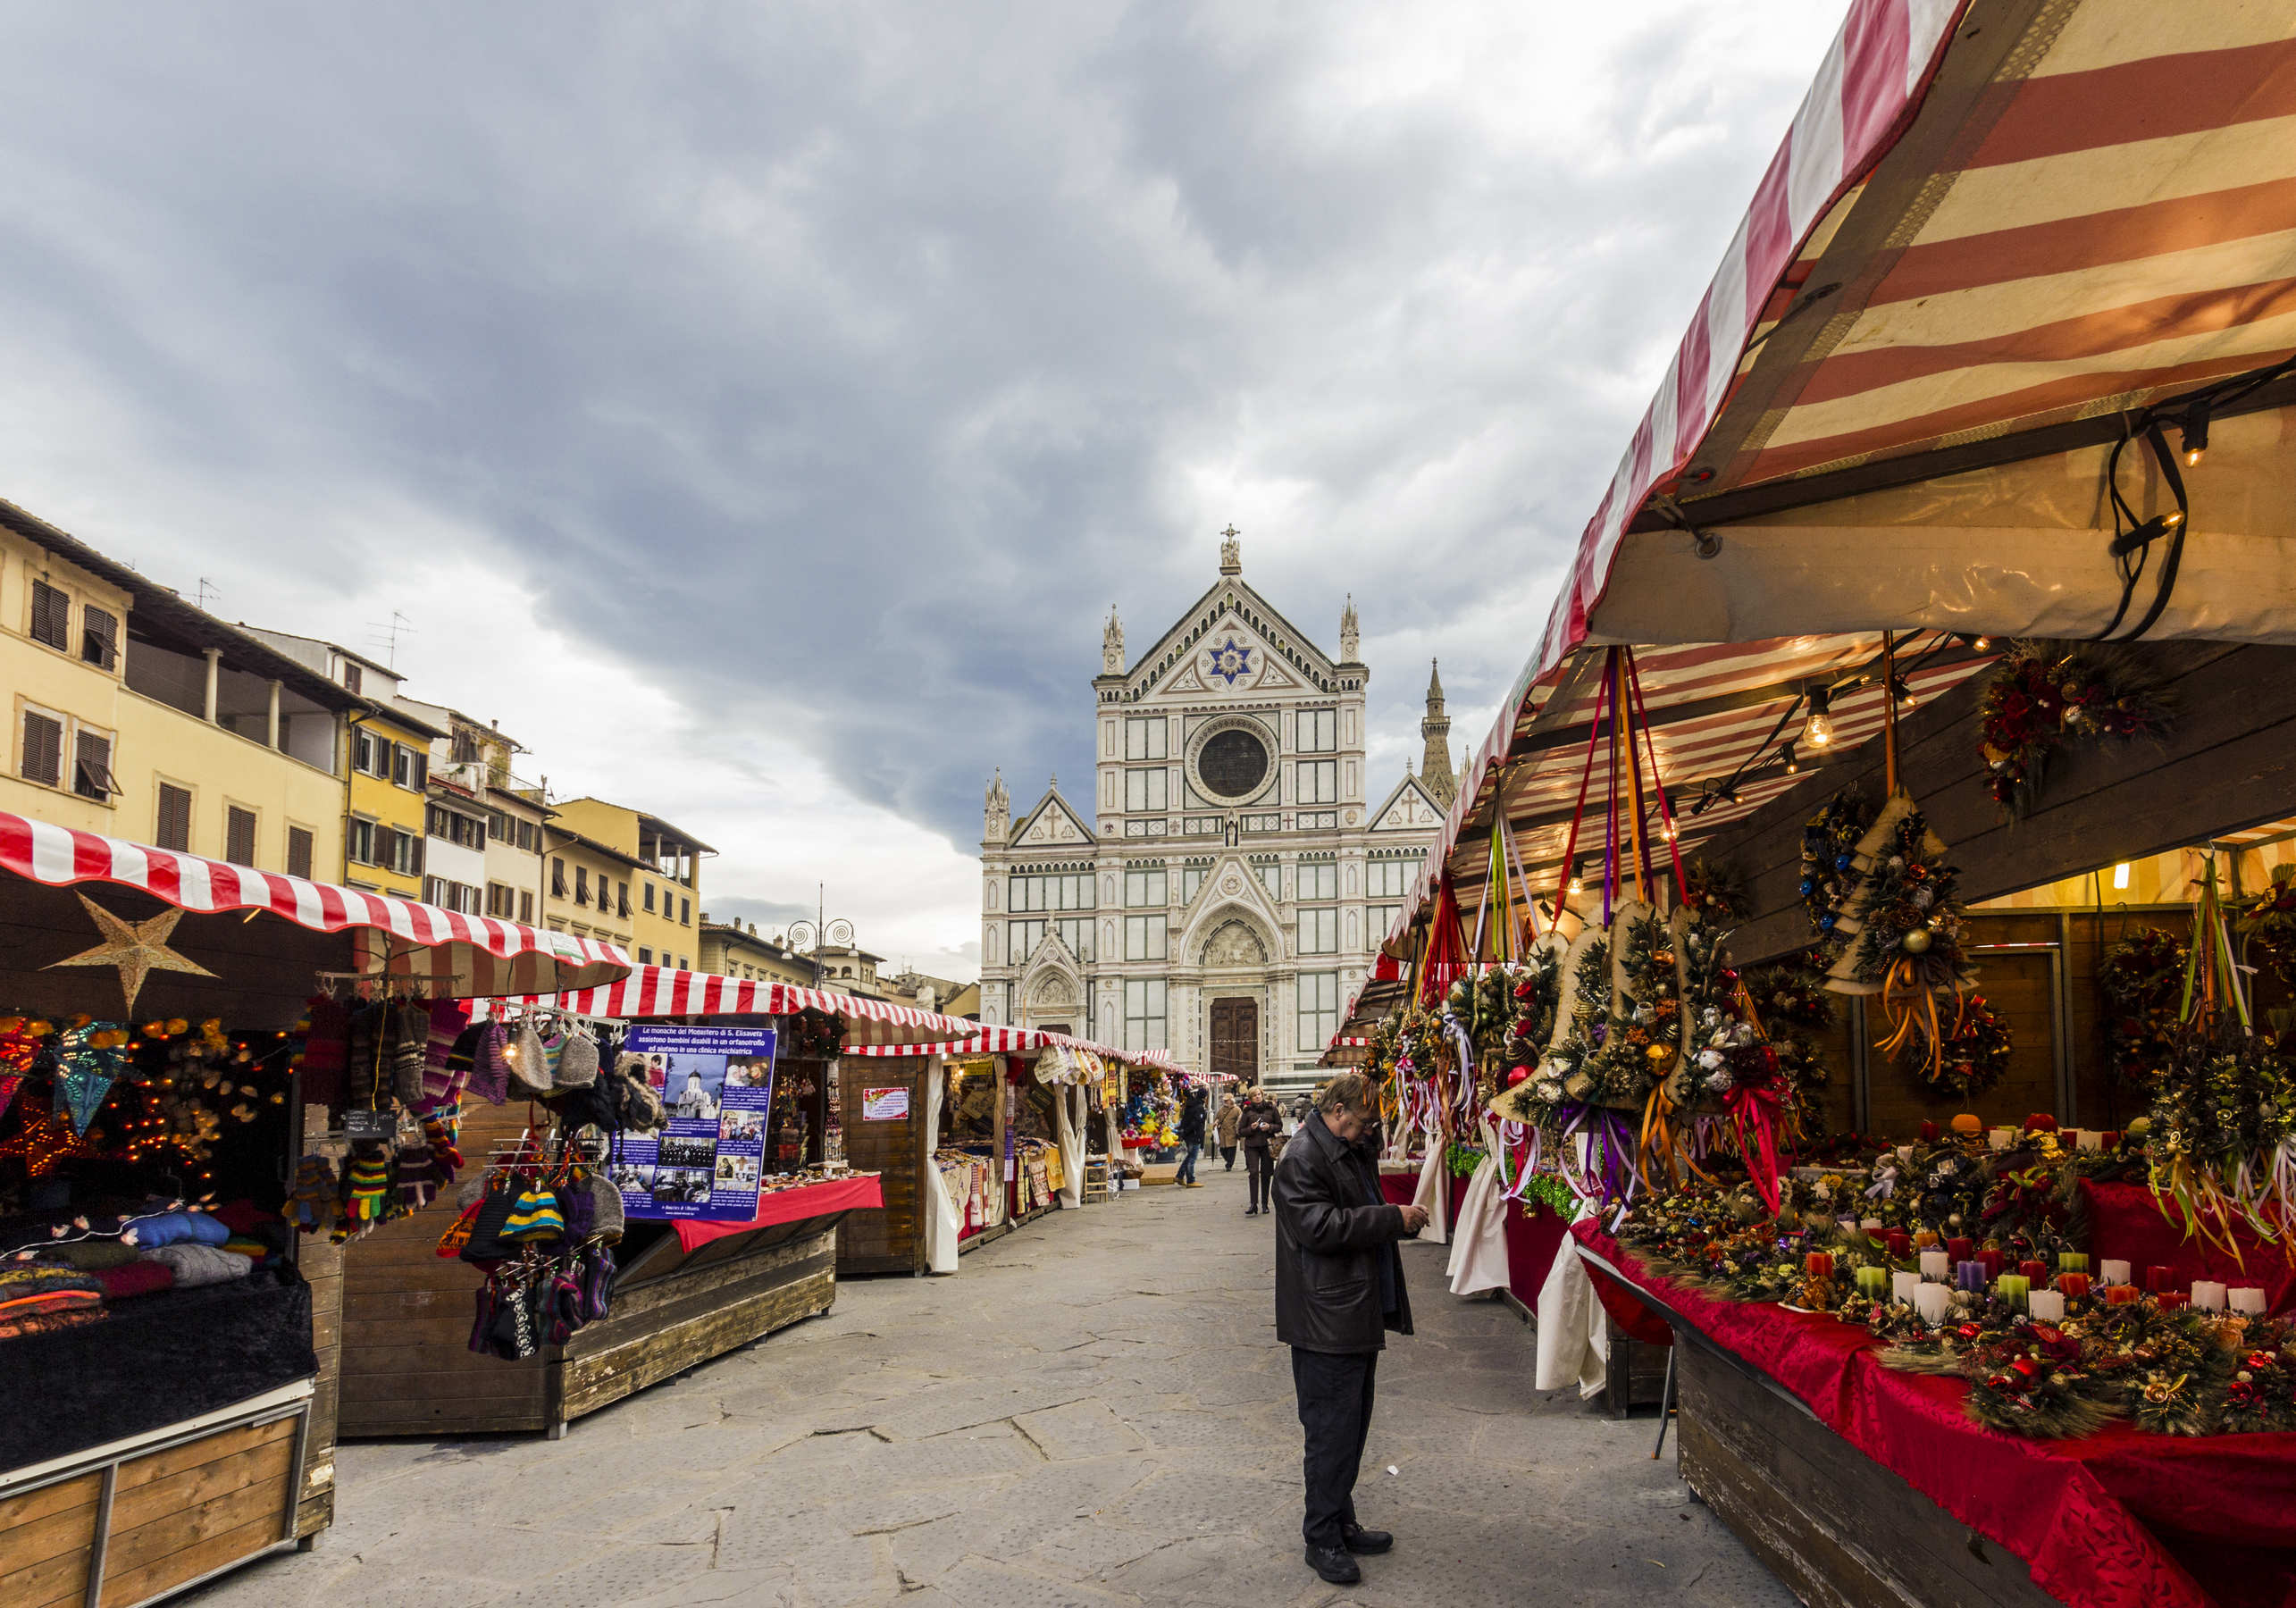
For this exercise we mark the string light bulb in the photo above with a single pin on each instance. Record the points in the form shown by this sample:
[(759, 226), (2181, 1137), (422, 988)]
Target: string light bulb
[(1577, 883), (1817, 731), (2196, 432), (1793, 760), (1905, 694)]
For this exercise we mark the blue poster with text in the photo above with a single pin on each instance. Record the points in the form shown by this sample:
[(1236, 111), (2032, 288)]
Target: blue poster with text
[(718, 1086)]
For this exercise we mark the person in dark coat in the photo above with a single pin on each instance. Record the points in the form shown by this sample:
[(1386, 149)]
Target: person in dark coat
[(1190, 1132), (1262, 1123), (1339, 1290)]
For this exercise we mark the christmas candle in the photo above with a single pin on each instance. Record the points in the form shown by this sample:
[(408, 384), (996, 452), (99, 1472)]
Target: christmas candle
[(2245, 1299), (1900, 1245), (1873, 1282), (1936, 1265), (1931, 1301), (1999, 1138), (1849, 1229), (1994, 1261), (1926, 1238), (2171, 1300), (1902, 1286), (2157, 1278), (2091, 1139), (1818, 1265), (2033, 1272), (2013, 1288), (2047, 1306), (2208, 1295), (1969, 1275), (2072, 1261), (2074, 1286), (1872, 1227), (1958, 1247), (1929, 1132), (2113, 1272), (2121, 1295)]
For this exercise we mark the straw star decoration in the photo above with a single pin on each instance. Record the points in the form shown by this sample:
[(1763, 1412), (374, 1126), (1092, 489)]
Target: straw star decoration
[(137, 948)]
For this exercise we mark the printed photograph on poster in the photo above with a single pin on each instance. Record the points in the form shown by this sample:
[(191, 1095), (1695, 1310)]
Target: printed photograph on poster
[(717, 1084)]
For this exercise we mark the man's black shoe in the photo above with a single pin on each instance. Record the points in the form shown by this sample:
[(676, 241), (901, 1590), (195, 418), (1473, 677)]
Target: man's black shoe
[(1357, 1539), (1334, 1565), (1252, 1211)]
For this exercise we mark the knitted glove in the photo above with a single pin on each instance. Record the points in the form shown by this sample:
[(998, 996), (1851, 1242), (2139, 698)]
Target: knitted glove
[(418, 1178), (309, 1202)]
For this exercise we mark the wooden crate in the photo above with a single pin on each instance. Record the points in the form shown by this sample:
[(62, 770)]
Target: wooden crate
[(131, 1523), (1839, 1528)]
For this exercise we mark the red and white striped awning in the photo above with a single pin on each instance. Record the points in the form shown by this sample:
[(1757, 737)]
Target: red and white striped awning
[(662, 991), (489, 957)]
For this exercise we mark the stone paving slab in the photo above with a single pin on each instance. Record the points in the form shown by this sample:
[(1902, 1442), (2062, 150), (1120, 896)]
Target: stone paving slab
[(1093, 1412)]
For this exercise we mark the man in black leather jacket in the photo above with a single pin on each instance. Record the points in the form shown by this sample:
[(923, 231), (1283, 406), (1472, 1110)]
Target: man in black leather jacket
[(1339, 1289)]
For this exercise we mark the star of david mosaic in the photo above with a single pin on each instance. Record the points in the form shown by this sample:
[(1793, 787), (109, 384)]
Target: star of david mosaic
[(1231, 661)]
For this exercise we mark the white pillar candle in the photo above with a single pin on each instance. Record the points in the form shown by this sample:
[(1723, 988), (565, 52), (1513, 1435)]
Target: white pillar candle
[(1902, 1286), (1998, 1138), (1931, 1301), (1848, 1227), (2047, 1306), (2208, 1295), (1936, 1265), (2109, 1271), (2091, 1139), (2245, 1299), (1872, 1226)]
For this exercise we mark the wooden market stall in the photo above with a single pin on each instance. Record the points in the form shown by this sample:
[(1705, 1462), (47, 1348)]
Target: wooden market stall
[(1997, 370), (684, 1291), (187, 1424)]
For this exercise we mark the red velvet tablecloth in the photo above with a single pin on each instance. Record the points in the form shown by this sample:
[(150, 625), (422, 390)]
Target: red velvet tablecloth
[(2126, 1223), (2114, 1519), (856, 1193), (1534, 1235)]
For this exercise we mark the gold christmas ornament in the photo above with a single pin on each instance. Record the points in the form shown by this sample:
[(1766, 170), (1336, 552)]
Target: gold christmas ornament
[(137, 947)]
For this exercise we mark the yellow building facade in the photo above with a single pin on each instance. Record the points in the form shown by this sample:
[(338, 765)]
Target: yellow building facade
[(586, 886), (665, 871), (731, 950), (133, 714), (389, 777)]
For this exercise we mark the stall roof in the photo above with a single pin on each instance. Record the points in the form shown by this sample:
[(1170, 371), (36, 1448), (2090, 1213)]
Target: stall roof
[(661, 991), (492, 957), (1995, 233)]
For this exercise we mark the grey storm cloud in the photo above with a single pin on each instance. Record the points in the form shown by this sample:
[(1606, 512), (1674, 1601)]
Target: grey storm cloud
[(842, 365)]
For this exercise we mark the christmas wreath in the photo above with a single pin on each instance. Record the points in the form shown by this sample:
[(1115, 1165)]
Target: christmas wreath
[(2270, 916), (1970, 1059), (1829, 871), (2045, 696), (1717, 891), (2143, 980), (1796, 1011)]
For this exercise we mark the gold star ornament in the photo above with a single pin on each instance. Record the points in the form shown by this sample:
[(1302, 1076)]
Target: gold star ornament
[(137, 948)]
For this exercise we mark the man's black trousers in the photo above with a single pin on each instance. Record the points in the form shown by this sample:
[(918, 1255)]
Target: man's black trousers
[(1261, 1166), (1335, 1393)]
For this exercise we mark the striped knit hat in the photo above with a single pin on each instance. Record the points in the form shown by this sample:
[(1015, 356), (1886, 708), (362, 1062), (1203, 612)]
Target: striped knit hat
[(535, 1216)]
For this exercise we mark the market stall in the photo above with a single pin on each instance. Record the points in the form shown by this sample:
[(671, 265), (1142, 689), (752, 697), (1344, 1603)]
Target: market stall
[(731, 1185), (170, 1339), (1912, 744)]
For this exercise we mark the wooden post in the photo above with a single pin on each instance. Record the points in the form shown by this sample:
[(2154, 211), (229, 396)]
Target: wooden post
[(1888, 715)]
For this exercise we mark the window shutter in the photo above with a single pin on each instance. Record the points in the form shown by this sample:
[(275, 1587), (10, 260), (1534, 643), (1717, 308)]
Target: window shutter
[(51, 616), (43, 761), (99, 637), (175, 818), (91, 766), (240, 836), (298, 851)]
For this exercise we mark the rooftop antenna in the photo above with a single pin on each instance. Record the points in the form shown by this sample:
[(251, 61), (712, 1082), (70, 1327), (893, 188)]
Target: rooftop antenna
[(386, 637), (207, 589)]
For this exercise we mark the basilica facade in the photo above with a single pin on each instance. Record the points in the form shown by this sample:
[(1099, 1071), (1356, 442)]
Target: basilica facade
[(1218, 888)]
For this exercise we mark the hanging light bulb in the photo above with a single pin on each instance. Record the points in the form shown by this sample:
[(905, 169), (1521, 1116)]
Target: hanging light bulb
[(2196, 432), (1577, 883), (1668, 830), (1817, 731), (1793, 761), (1905, 691)]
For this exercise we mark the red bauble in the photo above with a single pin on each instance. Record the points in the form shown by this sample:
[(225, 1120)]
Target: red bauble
[(1515, 1074)]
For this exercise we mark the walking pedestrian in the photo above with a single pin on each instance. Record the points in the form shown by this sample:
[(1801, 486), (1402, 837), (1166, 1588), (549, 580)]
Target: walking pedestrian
[(1339, 1289), (1190, 1133), (1231, 1117), (1263, 1122)]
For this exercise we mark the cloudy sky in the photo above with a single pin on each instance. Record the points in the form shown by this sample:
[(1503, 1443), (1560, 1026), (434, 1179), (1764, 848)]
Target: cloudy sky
[(757, 408)]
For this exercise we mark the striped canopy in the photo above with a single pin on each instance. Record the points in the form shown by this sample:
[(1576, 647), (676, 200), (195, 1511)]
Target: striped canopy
[(663, 991), (401, 937)]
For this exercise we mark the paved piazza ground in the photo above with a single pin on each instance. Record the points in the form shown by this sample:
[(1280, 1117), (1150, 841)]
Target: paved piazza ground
[(1094, 1411)]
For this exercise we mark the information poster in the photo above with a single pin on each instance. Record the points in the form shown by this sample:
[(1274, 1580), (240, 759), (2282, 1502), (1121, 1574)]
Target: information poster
[(718, 1086)]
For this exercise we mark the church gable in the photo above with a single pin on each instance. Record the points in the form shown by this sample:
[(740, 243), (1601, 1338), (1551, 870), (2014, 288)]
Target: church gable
[(1052, 825), (1233, 640), (1408, 809)]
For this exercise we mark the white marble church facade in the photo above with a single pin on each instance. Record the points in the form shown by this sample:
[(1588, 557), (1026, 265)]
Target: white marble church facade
[(1218, 890)]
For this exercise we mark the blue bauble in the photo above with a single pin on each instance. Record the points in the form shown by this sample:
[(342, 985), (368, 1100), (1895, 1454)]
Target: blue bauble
[(1825, 924), (1808, 887), (1841, 862)]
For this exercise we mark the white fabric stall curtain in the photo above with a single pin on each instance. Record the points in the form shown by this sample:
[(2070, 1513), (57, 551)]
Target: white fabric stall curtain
[(943, 1221), (1479, 1252), (1072, 1145), (1434, 1192)]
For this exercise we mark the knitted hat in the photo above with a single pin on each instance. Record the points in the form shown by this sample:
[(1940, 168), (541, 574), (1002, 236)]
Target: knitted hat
[(606, 1201), (486, 1243), (579, 1208), (535, 1216), (489, 1073), (577, 1067), (442, 1078), (530, 1067)]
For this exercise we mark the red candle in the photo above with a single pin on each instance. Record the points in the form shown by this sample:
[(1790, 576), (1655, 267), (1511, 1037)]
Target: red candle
[(2159, 1279), (1958, 1247), (2171, 1300), (2072, 1285), (1820, 1264), (1899, 1243), (1994, 1261), (2036, 1272), (1929, 1132), (2112, 1139), (2121, 1294)]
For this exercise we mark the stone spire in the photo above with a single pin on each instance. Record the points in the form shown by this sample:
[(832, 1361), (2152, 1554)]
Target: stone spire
[(996, 811), (1112, 645), (1434, 771), (1350, 633), (1231, 551)]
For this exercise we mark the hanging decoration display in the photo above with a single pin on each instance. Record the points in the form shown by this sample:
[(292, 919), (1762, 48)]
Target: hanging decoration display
[(1790, 998), (2268, 920), (88, 1060), (136, 948), (813, 1035), (2045, 697), (1972, 1055), (1903, 927), (1829, 843), (1716, 890), (2143, 980)]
